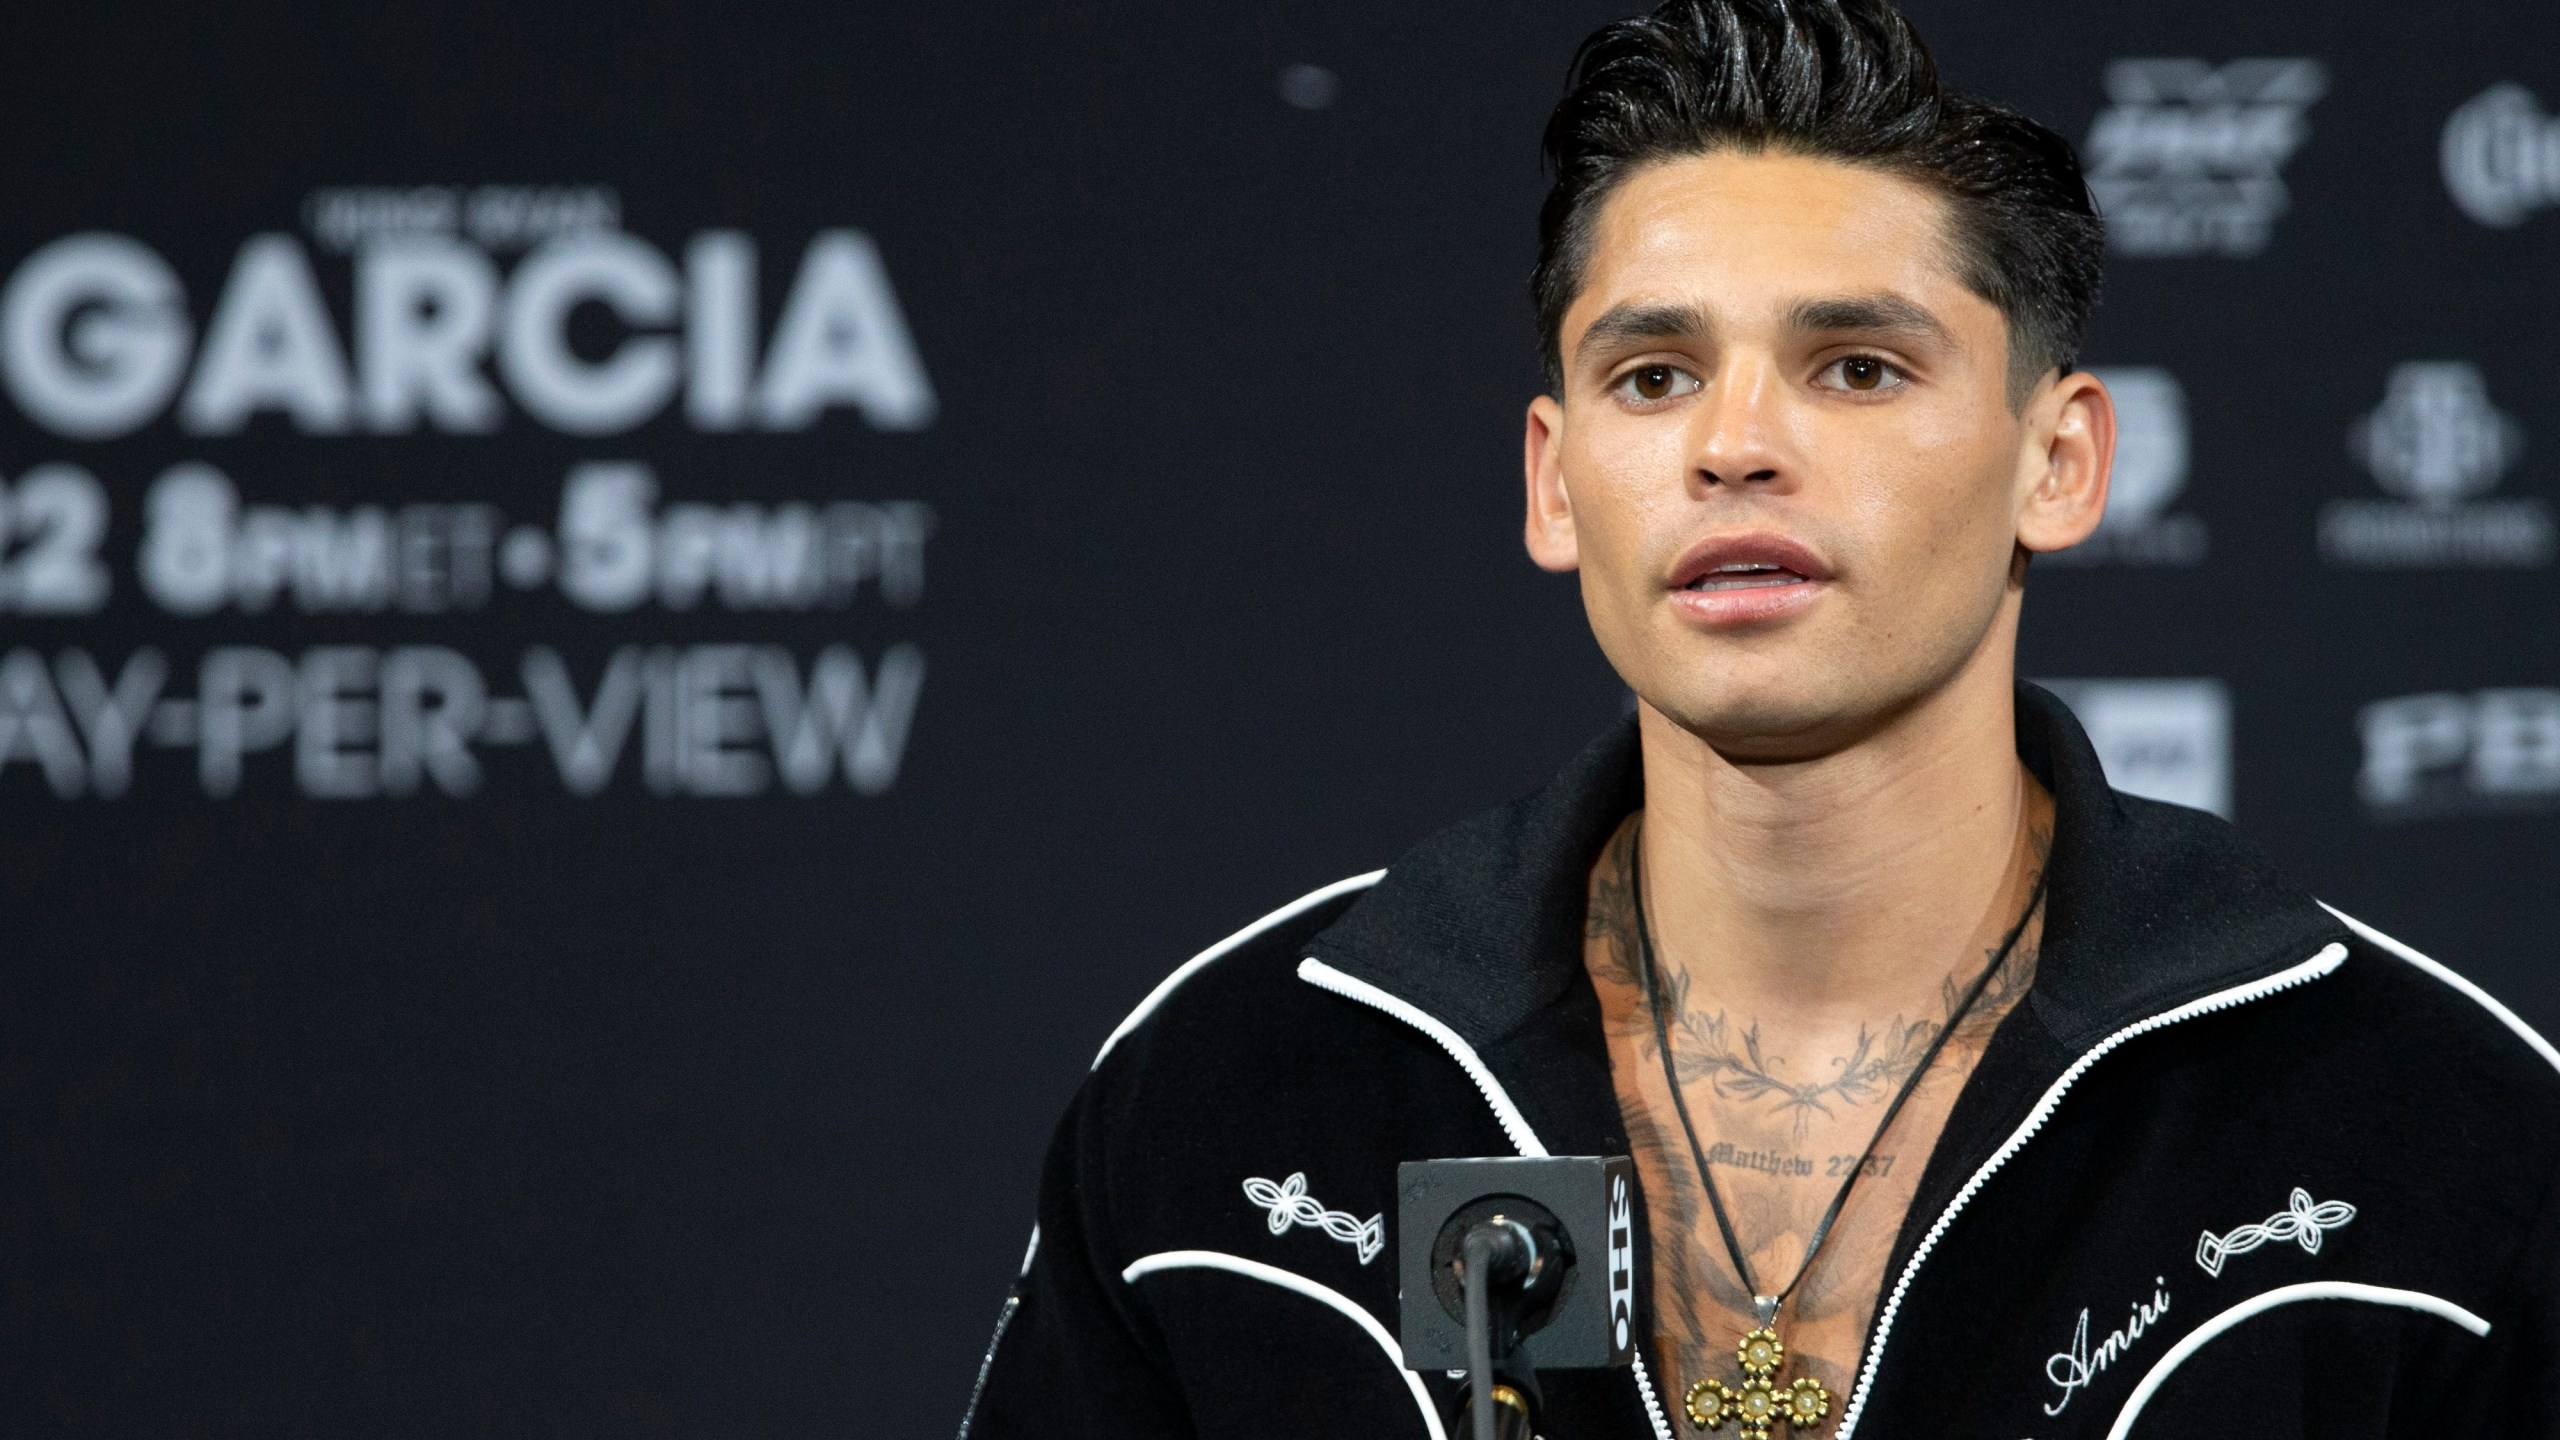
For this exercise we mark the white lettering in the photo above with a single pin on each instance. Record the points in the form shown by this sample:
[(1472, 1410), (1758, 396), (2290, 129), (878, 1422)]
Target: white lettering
[(337, 715), (423, 308), (270, 347), (586, 745), (244, 703), (2074, 1369), (843, 340), (34, 727), (186, 538), (838, 720), (630, 278), (604, 534), (720, 328), (110, 720), (93, 335), (433, 703)]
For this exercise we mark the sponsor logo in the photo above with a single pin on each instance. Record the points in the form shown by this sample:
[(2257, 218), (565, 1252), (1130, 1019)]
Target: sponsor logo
[(2502, 156), (2150, 471), (2452, 754), (1622, 1262), (2160, 739), (2437, 443), (2188, 157)]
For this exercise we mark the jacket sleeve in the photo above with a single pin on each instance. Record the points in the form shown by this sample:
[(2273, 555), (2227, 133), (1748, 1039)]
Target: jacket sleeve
[(1073, 1353), (2511, 1385)]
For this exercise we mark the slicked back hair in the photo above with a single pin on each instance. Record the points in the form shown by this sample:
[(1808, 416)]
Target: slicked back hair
[(1844, 80)]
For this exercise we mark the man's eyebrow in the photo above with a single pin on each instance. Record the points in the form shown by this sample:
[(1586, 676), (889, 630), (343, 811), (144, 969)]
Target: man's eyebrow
[(1620, 324), (1868, 315)]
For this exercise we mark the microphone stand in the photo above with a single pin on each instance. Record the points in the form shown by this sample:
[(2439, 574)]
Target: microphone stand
[(1512, 1270)]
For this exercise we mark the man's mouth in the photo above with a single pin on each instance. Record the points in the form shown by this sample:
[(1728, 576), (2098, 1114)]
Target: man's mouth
[(1745, 575)]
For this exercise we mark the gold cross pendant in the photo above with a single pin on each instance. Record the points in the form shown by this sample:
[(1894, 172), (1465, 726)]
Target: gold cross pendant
[(1759, 1401)]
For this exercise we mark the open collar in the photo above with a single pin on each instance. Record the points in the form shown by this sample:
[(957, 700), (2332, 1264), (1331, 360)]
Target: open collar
[(2148, 905)]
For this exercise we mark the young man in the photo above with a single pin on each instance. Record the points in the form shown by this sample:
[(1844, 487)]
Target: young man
[(1966, 1096)]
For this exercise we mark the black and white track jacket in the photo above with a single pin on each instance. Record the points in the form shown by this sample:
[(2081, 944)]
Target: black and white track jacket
[(2238, 1165)]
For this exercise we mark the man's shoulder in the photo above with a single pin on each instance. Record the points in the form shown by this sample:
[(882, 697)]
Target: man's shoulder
[(1230, 987), (2414, 1016)]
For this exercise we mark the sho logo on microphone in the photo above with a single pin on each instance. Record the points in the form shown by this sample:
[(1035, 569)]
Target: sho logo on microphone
[(2188, 157), (2453, 754), (2151, 467), (2501, 156), (2437, 444), (1622, 1262)]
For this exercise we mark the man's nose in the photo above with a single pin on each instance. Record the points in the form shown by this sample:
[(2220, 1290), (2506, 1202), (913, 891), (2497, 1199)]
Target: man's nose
[(1738, 437)]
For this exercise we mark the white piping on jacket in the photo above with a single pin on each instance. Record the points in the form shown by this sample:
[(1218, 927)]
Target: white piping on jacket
[(1515, 1125), (2486, 1001), (1173, 982), (2329, 958), (2203, 1334), (1324, 977), (1288, 1280)]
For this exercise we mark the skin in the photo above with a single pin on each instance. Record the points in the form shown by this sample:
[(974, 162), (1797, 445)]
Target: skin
[(1838, 832)]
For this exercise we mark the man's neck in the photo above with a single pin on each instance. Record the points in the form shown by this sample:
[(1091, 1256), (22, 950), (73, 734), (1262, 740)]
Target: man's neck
[(1826, 890)]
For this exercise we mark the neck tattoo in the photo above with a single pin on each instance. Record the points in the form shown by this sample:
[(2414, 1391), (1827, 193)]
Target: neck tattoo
[(1758, 1399)]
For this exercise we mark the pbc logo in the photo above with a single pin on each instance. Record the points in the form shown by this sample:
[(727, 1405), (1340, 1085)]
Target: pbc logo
[(2160, 739), (2450, 754), (2150, 471), (2502, 157), (2437, 442), (2188, 157)]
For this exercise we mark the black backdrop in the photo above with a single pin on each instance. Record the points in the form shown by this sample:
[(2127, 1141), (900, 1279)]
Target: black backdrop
[(493, 947)]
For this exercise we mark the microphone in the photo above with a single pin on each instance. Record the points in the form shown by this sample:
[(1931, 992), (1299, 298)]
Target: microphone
[(1491, 1280)]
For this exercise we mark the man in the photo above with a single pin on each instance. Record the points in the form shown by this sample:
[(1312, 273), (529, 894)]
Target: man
[(1966, 1096)]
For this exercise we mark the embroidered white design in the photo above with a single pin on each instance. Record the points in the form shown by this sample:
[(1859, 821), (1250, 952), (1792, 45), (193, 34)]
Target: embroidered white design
[(2074, 1369), (2302, 1223), (1290, 1204)]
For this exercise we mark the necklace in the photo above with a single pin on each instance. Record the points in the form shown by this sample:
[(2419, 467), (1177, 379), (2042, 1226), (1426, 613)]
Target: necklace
[(1759, 1400)]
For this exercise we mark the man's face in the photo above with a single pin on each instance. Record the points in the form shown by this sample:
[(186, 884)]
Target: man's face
[(1785, 460)]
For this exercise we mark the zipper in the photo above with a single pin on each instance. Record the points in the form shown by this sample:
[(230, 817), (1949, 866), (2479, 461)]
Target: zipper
[(1514, 1124), (1004, 1320), (2327, 960)]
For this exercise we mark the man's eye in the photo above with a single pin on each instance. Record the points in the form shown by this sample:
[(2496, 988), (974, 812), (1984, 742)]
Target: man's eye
[(1657, 382), (1861, 372)]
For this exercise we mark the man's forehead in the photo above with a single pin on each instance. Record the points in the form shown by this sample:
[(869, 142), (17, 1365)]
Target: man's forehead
[(1756, 237)]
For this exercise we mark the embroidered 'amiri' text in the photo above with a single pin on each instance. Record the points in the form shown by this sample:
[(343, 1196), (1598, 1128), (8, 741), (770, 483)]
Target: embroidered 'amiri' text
[(2074, 1368)]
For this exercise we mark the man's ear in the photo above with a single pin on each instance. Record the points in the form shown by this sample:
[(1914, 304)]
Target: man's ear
[(1549, 528), (2071, 450)]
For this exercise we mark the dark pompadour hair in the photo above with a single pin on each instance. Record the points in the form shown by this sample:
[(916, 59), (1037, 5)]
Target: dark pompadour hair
[(1844, 80)]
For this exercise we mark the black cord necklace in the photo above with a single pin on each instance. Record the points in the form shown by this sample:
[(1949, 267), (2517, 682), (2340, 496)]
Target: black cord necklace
[(1759, 1400)]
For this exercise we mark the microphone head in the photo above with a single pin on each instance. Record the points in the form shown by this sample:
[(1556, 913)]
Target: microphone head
[(1564, 1229)]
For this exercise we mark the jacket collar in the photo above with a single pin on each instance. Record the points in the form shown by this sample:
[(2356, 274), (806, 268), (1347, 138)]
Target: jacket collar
[(2148, 905)]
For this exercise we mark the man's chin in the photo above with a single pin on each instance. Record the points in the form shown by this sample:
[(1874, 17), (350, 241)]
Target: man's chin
[(1761, 728)]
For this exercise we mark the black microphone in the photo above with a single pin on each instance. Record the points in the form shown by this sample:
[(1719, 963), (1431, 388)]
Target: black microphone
[(1490, 1279)]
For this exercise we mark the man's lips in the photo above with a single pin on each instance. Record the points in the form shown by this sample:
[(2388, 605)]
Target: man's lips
[(1747, 578)]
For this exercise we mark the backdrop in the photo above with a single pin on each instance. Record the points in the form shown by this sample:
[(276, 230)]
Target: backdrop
[(629, 630)]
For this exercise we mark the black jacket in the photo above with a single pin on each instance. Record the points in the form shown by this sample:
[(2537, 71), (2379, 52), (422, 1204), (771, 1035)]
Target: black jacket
[(2323, 1162)]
